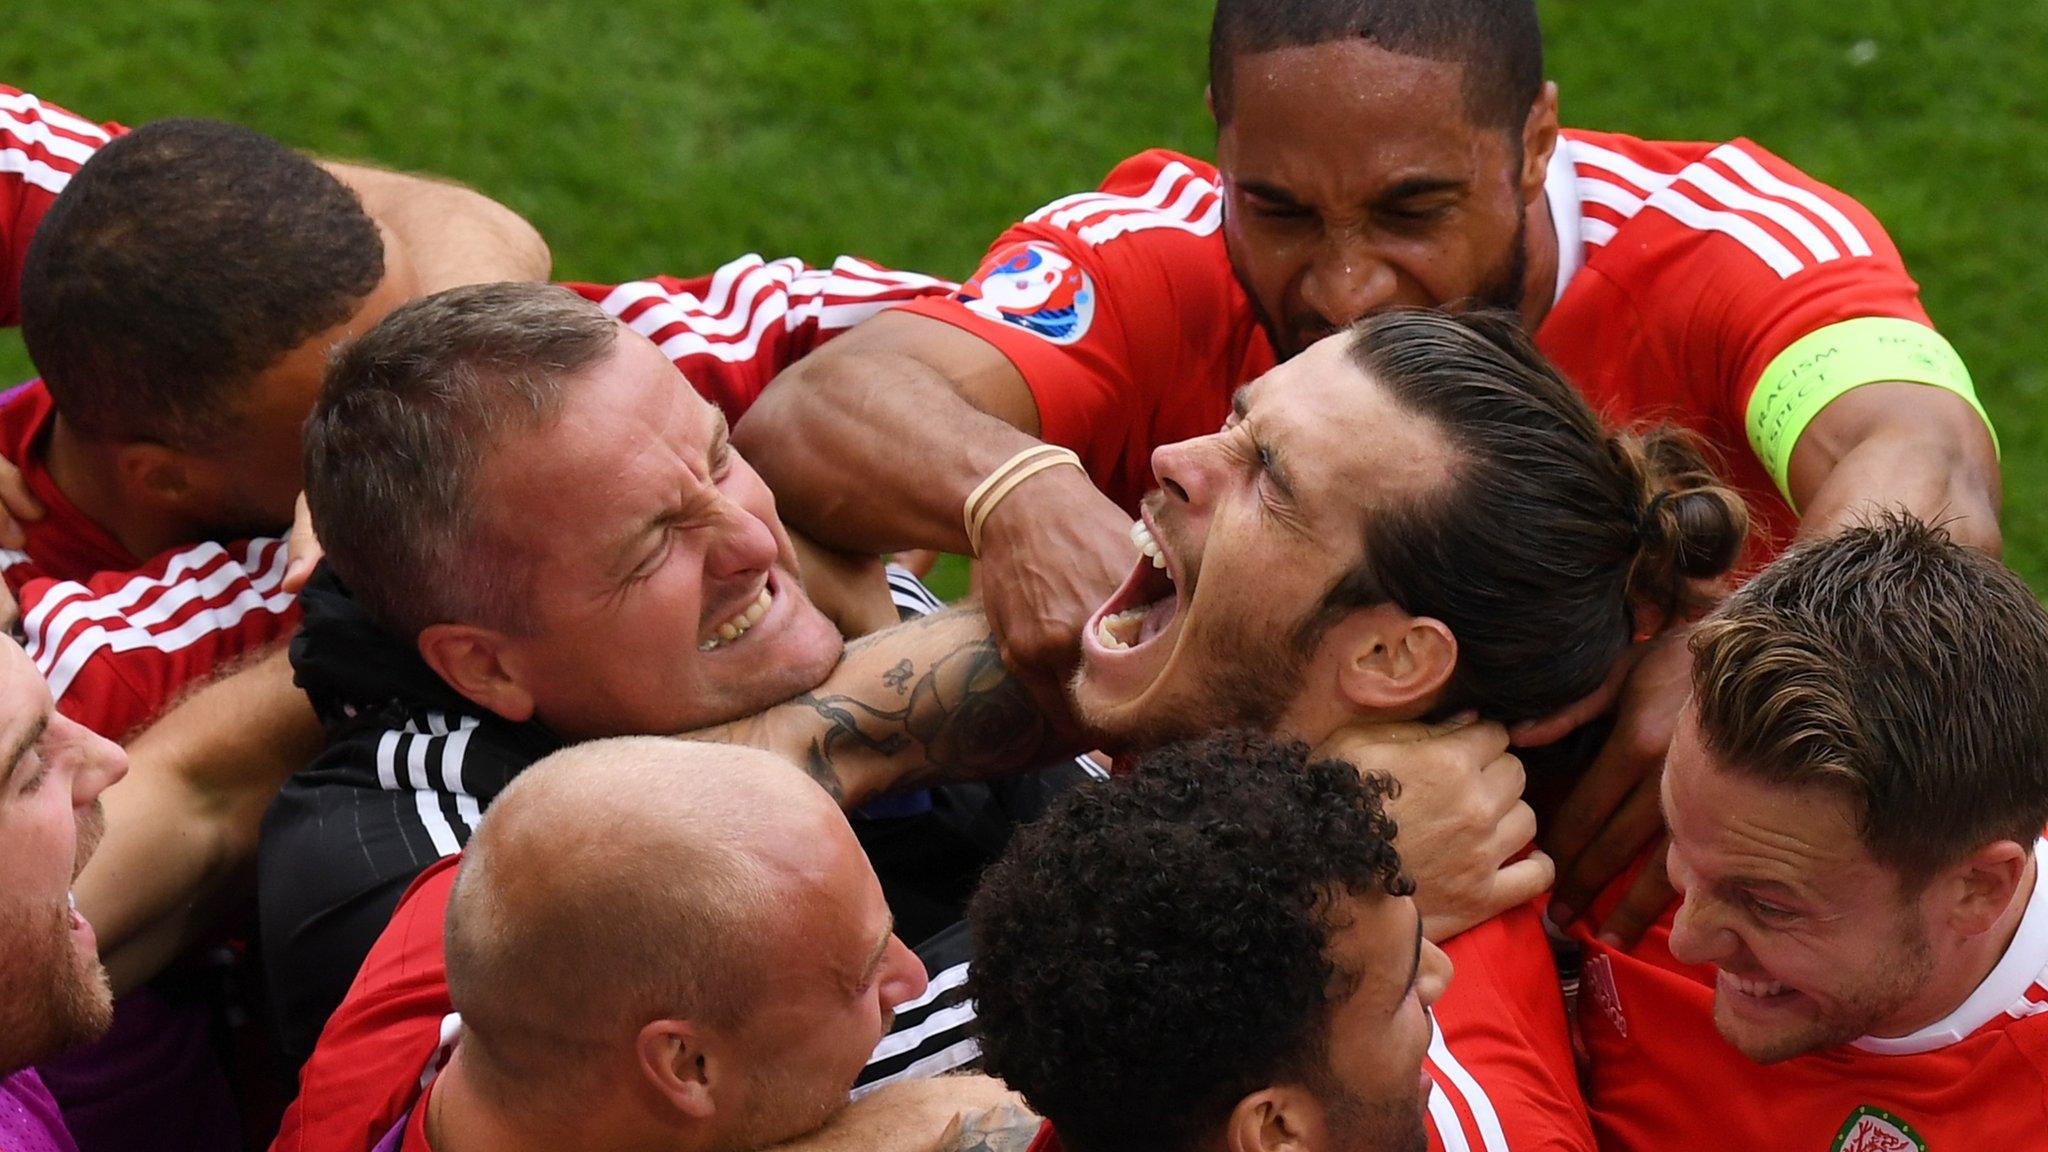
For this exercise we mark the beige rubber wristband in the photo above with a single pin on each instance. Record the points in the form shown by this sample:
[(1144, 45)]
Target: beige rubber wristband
[(1004, 480)]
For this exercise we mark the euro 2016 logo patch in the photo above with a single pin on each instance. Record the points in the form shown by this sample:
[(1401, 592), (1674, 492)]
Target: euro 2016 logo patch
[(1035, 288), (1875, 1130)]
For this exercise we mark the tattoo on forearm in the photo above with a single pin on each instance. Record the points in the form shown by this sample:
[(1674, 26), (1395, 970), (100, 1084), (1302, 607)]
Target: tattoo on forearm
[(1003, 1128), (949, 711)]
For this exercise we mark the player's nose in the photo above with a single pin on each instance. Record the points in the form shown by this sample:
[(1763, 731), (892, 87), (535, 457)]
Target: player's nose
[(1348, 280)]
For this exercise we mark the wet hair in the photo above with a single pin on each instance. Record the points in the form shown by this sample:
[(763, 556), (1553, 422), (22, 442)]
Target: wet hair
[(182, 260), (1156, 947), (1551, 532), (1905, 671), (409, 413), (1498, 42)]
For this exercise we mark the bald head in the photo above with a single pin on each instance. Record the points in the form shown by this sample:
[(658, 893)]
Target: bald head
[(623, 881)]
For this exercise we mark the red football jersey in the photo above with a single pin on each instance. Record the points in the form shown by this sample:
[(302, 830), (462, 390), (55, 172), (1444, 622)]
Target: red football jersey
[(1662, 1078), (41, 145), (730, 332), (1502, 1055), (1683, 269), (389, 1037), (118, 639)]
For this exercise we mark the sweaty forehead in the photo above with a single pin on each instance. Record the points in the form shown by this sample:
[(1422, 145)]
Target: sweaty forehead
[(1732, 825), (1348, 112)]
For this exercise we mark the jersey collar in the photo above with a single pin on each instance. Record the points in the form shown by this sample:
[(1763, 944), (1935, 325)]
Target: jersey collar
[(2006, 986), (1561, 190)]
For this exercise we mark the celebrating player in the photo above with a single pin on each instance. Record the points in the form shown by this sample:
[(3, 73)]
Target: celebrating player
[(1373, 153), (1857, 797)]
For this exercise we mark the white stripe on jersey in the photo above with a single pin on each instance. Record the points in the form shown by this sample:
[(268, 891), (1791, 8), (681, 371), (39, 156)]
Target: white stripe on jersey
[(25, 103), (1475, 1096), (33, 133), (1760, 178), (944, 1060), (449, 747), (60, 664), (1109, 228), (938, 986), (1450, 1131), (1068, 211), (897, 1043), (1721, 205), (38, 628)]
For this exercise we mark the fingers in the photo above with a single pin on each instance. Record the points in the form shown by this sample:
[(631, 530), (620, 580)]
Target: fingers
[(1616, 771), (302, 546), (10, 609), (1645, 903), (1635, 826), (1514, 831), (1523, 881)]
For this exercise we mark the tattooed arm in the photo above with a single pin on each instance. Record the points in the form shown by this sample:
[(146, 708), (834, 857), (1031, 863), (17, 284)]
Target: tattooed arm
[(961, 1113), (928, 701)]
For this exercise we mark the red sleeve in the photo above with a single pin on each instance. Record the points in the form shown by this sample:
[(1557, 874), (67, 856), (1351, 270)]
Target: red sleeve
[(1502, 1060), (387, 1035), (118, 648), (731, 332), (41, 145), (1105, 301), (1770, 254)]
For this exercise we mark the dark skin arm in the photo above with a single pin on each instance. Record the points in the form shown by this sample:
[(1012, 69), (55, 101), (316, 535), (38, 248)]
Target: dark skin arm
[(929, 701), (1884, 445), (831, 436)]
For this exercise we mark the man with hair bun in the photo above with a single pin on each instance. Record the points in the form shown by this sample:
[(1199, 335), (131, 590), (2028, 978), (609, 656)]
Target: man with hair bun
[(1373, 154), (1414, 518), (1856, 796)]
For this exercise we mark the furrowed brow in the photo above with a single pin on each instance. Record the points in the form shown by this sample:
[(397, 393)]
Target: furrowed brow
[(1421, 186), (1265, 191)]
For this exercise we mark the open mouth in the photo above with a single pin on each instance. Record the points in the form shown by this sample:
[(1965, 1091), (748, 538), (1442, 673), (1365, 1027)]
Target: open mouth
[(1124, 637), (739, 623)]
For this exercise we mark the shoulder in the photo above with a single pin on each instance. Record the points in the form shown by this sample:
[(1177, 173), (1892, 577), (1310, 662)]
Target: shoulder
[(42, 144), (1647, 205)]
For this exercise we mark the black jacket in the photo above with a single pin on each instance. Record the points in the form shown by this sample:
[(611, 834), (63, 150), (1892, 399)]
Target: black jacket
[(408, 769)]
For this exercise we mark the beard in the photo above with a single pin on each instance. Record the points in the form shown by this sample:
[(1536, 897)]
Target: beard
[(782, 1104), (1849, 1014), (1242, 676), (1358, 1124), (51, 998)]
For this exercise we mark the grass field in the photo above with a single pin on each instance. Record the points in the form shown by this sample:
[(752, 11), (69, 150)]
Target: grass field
[(668, 135)]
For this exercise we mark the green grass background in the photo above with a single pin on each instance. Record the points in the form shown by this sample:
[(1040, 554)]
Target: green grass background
[(669, 135)]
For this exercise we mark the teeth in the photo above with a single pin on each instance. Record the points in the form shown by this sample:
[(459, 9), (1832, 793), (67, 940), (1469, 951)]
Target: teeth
[(1142, 537), (71, 898), (737, 627), (1753, 988), (1125, 622)]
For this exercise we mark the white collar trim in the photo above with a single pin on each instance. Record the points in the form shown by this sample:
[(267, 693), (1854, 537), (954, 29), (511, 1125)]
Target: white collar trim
[(1561, 191), (2022, 965)]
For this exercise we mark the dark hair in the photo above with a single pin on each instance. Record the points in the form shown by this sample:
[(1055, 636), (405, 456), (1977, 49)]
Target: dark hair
[(1552, 531), (1894, 665), (410, 411), (1156, 947), (1499, 43), (182, 260)]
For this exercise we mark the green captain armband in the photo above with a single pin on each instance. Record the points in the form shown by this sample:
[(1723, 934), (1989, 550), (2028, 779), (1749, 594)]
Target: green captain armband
[(1820, 366)]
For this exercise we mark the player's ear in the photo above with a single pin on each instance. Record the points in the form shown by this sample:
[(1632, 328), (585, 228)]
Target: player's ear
[(475, 662), (1539, 140), (1393, 665), (1278, 1119), (682, 1065), (156, 475), (1977, 891)]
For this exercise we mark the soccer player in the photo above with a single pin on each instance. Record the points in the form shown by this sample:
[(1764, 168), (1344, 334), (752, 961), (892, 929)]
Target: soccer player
[(53, 992), (1232, 893), (1373, 153), (1412, 517), (1856, 796), (503, 586)]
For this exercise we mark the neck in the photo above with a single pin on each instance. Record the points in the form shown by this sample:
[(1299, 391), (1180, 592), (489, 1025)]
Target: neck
[(1539, 284), (1956, 981), (86, 473), (462, 1117)]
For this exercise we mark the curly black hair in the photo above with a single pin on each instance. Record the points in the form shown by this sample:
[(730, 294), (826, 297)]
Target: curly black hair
[(1154, 949)]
